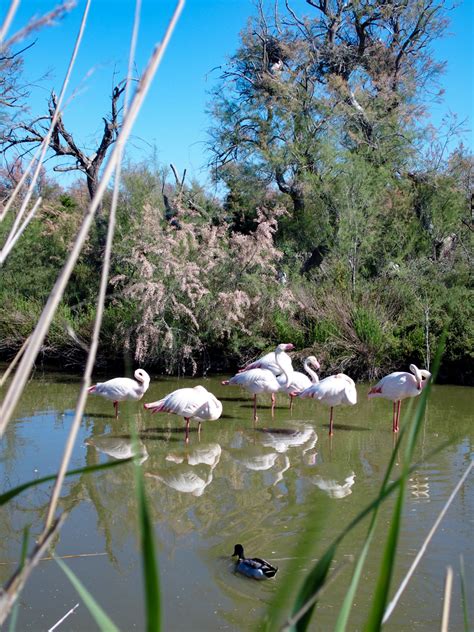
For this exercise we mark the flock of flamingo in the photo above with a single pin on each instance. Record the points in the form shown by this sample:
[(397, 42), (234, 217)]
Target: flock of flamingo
[(271, 373)]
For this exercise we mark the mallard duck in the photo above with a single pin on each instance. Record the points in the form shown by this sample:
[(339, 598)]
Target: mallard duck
[(252, 567)]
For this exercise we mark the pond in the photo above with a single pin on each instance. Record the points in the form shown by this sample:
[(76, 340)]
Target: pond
[(263, 485)]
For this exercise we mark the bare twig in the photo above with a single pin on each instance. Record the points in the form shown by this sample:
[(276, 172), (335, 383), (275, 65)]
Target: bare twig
[(50, 558), (69, 612)]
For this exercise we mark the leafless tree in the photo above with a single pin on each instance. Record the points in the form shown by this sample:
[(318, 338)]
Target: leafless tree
[(27, 136)]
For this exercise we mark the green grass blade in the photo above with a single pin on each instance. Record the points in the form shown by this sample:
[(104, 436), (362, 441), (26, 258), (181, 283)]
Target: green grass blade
[(150, 571), (312, 584), (464, 595), (382, 587), (24, 551), (346, 607), (318, 569), (102, 619), (5, 497)]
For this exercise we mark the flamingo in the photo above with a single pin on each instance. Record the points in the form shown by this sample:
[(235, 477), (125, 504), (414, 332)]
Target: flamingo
[(269, 362), (400, 385), (300, 381), (191, 403), (333, 390), (120, 389), (263, 380)]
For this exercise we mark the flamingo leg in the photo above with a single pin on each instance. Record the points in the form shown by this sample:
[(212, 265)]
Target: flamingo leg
[(255, 418), (186, 439), (199, 430), (397, 428), (273, 405), (394, 418), (116, 409), (331, 416), (291, 402)]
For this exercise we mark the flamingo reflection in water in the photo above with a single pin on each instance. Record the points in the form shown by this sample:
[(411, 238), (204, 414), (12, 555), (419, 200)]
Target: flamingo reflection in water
[(118, 447), (193, 470), (334, 489)]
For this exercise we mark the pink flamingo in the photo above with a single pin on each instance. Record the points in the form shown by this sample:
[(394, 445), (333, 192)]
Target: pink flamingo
[(269, 362), (333, 390), (120, 389), (400, 385), (300, 381), (191, 403), (263, 380)]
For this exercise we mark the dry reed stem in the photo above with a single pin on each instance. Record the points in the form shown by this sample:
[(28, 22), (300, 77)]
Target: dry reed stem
[(422, 550), (13, 363), (448, 589), (41, 329), (36, 23), (91, 356), (14, 4), (20, 184), (50, 558), (47, 138), (15, 584), (10, 244), (69, 612), (103, 280)]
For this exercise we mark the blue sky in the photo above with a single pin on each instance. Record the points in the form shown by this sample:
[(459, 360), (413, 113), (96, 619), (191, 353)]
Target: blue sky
[(173, 121)]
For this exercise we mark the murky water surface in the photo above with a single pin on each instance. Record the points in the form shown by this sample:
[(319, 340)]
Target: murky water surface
[(265, 487)]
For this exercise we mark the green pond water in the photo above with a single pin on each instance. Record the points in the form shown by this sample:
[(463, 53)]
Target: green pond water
[(265, 486)]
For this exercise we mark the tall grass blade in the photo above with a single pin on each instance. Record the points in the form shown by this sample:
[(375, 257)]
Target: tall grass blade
[(150, 571), (382, 587), (427, 540), (462, 575), (14, 586), (448, 589), (24, 551), (318, 569), (104, 622), (312, 585), (11, 493), (346, 607)]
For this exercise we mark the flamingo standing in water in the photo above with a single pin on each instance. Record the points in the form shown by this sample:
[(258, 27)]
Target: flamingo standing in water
[(258, 380), (191, 403), (120, 389), (269, 362), (400, 385), (300, 381), (333, 390)]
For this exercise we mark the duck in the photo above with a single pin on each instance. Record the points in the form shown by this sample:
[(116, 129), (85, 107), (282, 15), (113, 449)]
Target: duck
[(252, 566)]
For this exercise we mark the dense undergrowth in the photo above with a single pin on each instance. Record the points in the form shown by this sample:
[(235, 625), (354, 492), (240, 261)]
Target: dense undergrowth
[(193, 291)]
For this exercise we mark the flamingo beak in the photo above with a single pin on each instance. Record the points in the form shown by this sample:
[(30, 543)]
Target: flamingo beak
[(289, 347)]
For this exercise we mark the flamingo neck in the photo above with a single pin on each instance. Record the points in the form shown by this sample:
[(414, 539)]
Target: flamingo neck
[(286, 370), (312, 374)]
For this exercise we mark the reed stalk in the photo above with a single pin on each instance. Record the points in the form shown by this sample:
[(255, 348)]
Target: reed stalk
[(14, 4), (47, 138), (427, 540), (448, 589), (41, 329)]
